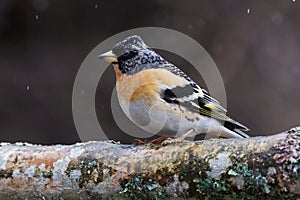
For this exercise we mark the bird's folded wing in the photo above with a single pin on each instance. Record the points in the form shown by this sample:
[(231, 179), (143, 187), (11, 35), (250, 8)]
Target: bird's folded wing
[(204, 105), (193, 91), (194, 99)]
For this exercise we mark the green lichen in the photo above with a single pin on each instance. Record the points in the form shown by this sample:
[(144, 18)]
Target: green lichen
[(209, 187), (142, 187), (255, 182), (191, 169), (91, 171), (152, 186), (47, 173), (40, 171)]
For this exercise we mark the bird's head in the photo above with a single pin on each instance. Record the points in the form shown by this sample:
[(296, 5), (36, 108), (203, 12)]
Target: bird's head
[(132, 55)]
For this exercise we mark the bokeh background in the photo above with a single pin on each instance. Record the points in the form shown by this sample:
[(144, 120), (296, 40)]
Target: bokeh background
[(255, 44)]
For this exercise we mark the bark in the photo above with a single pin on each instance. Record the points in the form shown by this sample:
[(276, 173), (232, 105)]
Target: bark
[(264, 167)]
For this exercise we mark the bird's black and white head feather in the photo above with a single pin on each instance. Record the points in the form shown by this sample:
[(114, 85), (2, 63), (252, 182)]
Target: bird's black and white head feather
[(134, 55)]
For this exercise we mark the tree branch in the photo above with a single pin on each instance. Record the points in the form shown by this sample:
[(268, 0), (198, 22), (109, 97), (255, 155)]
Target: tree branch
[(217, 168)]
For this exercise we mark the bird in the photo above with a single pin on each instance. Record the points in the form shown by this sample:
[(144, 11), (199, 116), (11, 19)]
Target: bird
[(159, 97)]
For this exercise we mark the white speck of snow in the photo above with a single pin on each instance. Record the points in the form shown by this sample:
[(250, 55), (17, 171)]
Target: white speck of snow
[(293, 1), (2, 144), (27, 87), (81, 92), (96, 5), (37, 17), (248, 10), (23, 144)]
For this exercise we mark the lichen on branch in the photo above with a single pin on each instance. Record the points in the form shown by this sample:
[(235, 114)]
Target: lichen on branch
[(265, 167)]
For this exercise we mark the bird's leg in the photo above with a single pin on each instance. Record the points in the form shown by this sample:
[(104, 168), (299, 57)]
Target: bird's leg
[(138, 142), (155, 141), (178, 139), (158, 140)]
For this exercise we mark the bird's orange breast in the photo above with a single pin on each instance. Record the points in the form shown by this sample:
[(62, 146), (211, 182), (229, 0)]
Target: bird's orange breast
[(145, 85)]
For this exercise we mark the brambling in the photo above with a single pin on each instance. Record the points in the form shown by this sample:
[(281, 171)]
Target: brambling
[(161, 98)]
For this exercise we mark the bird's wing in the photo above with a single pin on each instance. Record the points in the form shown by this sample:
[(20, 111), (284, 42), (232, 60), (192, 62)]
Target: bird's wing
[(192, 91), (189, 99), (195, 99)]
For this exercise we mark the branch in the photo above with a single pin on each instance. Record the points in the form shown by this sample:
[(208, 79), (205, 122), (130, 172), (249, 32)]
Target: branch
[(217, 168)]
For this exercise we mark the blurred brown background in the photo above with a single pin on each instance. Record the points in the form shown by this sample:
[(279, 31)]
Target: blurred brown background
[(43, 42)]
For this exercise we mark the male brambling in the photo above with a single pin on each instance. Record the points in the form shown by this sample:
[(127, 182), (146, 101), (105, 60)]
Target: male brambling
[(161, 98)]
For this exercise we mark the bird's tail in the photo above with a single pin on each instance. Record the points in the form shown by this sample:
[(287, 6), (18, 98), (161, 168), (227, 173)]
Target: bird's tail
[(241, 133), (237, 129)]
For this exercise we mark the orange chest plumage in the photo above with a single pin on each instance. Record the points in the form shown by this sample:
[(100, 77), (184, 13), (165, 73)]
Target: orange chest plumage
[(144, 85)]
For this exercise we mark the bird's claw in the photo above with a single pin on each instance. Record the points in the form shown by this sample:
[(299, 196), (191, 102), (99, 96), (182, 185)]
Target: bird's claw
[(171, 141), (138, 142), (155, 141)]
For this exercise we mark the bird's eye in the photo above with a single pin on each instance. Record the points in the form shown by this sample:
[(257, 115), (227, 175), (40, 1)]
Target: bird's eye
[(128, 55)]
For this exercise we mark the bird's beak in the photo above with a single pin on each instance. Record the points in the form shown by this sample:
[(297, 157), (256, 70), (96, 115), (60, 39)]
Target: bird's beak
[(109, 57)]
